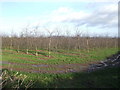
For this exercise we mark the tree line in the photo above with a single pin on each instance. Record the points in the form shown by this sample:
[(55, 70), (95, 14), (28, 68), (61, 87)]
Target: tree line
[(33, 41)]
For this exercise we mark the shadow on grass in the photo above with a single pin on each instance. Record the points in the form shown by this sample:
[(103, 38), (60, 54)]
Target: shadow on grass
[(32, 52), (106, 78), (42, 53)]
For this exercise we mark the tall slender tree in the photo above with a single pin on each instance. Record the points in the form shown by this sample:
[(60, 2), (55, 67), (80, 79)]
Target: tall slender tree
[(50, 41)]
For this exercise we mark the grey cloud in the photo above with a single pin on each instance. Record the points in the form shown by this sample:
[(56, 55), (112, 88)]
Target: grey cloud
[(99, 18)]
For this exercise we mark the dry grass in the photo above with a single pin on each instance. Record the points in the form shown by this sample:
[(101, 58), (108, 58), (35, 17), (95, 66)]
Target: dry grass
[(14, 80)]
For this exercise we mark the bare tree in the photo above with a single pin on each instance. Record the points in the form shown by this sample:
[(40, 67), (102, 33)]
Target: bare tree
[(11, 39), (29, 39), (87, 40), (50, 40), (35, 35), (78, 34), (68, 38), (57, 38), (26, 35)]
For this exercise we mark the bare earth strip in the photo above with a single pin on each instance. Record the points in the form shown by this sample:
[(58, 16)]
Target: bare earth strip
[(63, 68), (45, 68)]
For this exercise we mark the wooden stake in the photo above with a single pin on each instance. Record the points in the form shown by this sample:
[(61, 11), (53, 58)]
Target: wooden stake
[(36, 54), (18, 49), (27, 51)]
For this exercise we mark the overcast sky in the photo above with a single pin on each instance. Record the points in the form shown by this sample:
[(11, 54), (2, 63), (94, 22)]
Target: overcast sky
[(99, 17)]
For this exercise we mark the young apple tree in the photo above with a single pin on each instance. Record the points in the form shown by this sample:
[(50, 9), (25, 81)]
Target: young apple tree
[(50, 40)]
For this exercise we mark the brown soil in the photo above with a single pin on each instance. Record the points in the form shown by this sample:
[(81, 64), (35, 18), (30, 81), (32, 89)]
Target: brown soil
[(61, 68)]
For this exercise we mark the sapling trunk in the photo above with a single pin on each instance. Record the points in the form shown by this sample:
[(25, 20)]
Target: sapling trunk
[(49, 53), (49, 47), (18, 49), (11, 43), (87, 44), (36, 54), (26, 51)]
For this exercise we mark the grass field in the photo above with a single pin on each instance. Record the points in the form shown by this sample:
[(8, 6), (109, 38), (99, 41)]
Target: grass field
[(63, 69)]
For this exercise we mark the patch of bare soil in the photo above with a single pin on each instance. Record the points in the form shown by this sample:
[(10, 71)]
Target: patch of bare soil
[(112, 61), (49, 68)]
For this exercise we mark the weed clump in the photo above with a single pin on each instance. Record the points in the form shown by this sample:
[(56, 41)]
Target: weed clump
[(14, 80)]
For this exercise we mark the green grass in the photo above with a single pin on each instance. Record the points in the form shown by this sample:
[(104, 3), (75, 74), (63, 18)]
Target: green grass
[(106, 78), (64, 57), (97, 54), (101, 78)]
